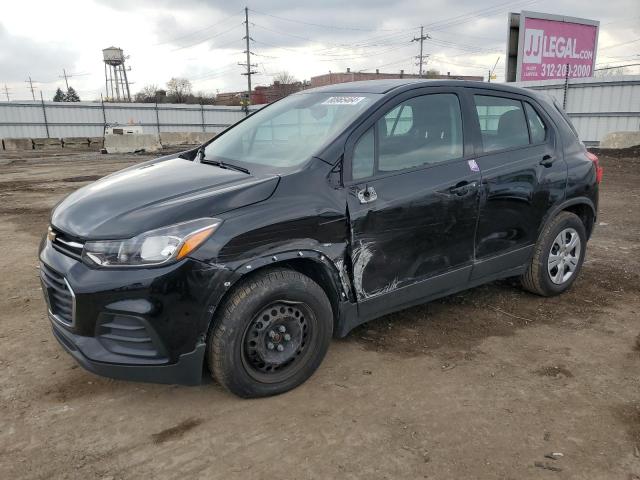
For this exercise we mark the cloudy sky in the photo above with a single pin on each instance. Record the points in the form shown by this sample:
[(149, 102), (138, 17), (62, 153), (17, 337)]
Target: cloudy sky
[(202, 39)]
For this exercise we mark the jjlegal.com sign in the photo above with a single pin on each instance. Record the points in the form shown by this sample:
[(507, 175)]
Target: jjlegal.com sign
[(550, 47)]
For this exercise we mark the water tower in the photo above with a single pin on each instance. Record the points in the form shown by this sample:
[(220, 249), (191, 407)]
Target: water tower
[(115, 74)]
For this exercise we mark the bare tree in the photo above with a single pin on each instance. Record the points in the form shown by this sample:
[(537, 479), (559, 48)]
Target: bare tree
[(178, 90), (284, 83), (147, 94), (285, 78)]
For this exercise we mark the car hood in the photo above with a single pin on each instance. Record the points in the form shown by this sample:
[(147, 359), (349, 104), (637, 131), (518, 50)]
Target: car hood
[(155, 194)]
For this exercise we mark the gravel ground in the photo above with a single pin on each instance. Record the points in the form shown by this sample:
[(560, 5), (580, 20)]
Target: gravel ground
[(484, 384)]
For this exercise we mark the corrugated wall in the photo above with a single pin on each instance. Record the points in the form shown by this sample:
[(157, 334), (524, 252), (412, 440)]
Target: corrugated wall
[(87, 119), (597, 106)]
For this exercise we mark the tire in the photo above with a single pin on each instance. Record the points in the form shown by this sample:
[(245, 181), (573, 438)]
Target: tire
[(556, 261), (270, 335)]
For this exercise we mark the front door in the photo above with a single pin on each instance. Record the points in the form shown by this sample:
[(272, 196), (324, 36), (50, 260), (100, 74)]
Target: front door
[(413, 202)]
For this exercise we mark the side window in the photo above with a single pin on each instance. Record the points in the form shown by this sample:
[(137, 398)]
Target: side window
[(536, 125), (363, 156), (502, 122), (422, 130)]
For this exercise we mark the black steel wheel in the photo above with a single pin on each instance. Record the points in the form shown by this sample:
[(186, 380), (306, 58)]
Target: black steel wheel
[(270, 334), (277, 340)]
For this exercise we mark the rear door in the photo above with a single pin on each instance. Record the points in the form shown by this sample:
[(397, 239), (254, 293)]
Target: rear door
[(412, 200), (523, 175)]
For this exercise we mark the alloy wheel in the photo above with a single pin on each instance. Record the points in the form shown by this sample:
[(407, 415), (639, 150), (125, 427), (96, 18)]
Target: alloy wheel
[(564, 256)]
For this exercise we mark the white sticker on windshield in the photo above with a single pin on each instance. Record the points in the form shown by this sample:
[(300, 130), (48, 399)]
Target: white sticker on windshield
[(343, 100)]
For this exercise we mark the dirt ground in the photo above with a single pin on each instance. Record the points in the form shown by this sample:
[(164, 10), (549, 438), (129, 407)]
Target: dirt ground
[(483, 384)]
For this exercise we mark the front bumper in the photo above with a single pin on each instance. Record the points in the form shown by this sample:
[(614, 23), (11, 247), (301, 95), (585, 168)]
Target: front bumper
[(137, 324), (186, 371)]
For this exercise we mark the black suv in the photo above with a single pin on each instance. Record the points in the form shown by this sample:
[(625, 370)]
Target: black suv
[(315, 214)]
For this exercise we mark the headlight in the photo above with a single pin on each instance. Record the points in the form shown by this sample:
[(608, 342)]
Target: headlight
[(156, 247)]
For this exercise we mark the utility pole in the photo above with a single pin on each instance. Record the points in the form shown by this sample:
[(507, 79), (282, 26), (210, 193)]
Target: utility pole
[(30, 82), (6, 92), (249, 72), (66, 80), (493, 70), (421, 39)]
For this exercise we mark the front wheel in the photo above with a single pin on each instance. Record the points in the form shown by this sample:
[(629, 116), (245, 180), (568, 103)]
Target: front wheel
[(557, 257), (271, 334)]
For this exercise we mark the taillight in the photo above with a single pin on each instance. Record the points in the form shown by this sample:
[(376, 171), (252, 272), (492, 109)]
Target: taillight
[(596, 163)]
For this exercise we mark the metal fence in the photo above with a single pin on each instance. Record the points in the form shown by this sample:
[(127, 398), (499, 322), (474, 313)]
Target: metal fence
[(596, 106), (28, 119)]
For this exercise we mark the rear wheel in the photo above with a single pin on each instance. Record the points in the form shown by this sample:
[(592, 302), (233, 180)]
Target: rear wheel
[(557, 257), (271, 334)]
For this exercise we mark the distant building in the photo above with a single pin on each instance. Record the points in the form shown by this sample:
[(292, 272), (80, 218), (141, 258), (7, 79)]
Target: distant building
[(349, 76), (261, 94), (276, 91), (267, 94), (228, 98)]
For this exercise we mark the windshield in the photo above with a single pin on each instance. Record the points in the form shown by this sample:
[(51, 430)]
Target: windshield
[(290, 131)]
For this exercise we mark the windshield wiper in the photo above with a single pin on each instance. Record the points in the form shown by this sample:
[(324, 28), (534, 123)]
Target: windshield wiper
[(225, 165), (202, 159)]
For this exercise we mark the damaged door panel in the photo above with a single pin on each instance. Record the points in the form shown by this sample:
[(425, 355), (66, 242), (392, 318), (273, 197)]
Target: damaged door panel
[(413, 201)]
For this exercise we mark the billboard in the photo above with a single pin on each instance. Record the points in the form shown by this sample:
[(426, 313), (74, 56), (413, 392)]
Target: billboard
[(543, 47)]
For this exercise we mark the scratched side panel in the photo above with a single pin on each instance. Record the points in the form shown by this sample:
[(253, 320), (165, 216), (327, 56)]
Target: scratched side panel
[(414, 230)]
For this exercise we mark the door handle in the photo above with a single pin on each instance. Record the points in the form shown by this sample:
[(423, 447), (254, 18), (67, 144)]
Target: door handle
[(367, 195), (547, 161), (463, 188)]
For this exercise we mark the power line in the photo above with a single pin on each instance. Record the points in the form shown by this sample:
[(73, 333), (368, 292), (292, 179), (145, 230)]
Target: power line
[(191, 34), (6, 92), (66, 80), (459, 46), (421, 39), (66, 76), (249, 65), (387, 64), (30, 82), (206, 39), (438, 25), (620, 44), (334, 27), (480, 13), (617, 66), (334, 45), (367, 55)]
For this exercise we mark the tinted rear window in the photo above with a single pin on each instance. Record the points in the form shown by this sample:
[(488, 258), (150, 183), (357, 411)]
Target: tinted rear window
[(502, 122)]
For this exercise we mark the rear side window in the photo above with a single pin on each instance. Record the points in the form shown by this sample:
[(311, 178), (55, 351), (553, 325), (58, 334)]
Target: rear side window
[(502, 122), (536, 125)]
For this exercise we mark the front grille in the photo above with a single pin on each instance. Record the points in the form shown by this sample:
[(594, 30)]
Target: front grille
[(58, 294), (128, 335), (66, 244)]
